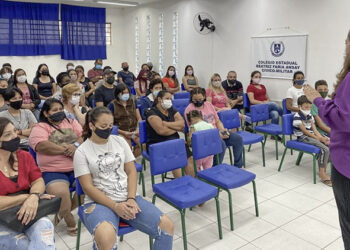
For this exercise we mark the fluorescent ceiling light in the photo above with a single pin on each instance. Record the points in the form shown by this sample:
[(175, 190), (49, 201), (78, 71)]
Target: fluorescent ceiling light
[(132, 4)]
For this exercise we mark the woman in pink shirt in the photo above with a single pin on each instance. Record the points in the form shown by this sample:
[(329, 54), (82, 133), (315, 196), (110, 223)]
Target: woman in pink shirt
[(216, 94), (55, 139)]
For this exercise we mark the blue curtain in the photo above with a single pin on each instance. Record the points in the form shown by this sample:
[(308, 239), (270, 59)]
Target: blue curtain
[(83, 33), (29, 29)]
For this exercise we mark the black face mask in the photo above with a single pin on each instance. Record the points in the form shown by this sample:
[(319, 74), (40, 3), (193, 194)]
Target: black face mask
[(3, 91), (232, 82), (45, 72), (11, 145), (16, 105), (103, 133), (110, 80), (58, 116), (198, 103), (126, 68)]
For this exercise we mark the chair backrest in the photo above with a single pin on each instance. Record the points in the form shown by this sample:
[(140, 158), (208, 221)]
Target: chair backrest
[(33, 153), (111, 107), (167, 156), (93, 103), (182, 95), (180, 105), (246, 102), (115, 130), (142, 132), (287, 124), (284, 105), (230, 118), (132, 90), (78, 188), (205, 143), (182, 87), (259, 112)]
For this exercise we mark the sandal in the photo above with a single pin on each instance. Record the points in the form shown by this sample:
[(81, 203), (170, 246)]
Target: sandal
[(327, 182), (56, 220), (72, 231)]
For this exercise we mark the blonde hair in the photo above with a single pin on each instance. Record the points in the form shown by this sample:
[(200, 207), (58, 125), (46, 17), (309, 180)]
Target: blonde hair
[(68, 91), (210, 86), (346, 67)]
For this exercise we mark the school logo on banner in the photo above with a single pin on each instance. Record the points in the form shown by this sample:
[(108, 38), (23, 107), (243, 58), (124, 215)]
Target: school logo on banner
[(277, 48)]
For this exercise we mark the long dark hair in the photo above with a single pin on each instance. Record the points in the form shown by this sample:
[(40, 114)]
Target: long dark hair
[(11, 92), (15, 76), (46, 107), (119, 89), (197, 91), (253, 74), (188, 66), (161, 94), (139, 79), (3, 123), (174, 76), (92, 116), (38, 74)]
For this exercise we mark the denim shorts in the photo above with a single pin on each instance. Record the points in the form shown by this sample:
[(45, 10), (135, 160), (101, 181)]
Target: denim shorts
[(51, 177)]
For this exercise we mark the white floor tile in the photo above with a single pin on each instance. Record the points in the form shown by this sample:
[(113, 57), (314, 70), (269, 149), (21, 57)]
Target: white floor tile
[(230, 241), (266, 189), (287, 181), (336, 245), (318, 191), (242, 197), (248, 247), (326, 214), (313, 231), (59, 243), (205, 236), (179, 245)]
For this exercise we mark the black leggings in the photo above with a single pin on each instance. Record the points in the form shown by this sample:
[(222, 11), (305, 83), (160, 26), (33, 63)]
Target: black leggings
[(341, 189)]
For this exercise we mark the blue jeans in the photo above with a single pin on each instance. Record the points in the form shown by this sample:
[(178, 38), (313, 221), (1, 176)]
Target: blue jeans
[(40, 235), (275, 112), (146, 221), (234, 141)]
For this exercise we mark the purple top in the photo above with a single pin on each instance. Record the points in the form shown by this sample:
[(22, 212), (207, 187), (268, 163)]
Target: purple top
[(336, 113)]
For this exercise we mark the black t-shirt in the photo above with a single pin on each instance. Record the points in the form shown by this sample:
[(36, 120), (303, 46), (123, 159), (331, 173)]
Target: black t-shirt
[(233, 91), (86, 84), (104, 94), (152, 135), (44, 89)]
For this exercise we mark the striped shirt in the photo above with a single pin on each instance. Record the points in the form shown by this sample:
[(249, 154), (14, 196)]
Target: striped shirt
[(298, 119)]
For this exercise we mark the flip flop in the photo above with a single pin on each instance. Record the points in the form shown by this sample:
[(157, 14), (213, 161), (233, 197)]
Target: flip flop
[(56, 220), (72, 231), (327, 182)]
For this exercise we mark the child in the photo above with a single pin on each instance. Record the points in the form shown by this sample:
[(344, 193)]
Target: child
[(322, 87), (195, 119), (306, 132)]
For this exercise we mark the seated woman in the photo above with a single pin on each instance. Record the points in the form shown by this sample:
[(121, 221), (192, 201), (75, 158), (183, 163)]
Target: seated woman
[(105, 167), (257, 95), (189, 80), (216, 94), (76, 80), (127, 116), (44, 82), (141, 84), (55, 139), (31, 98), (6, 73), (62, 80), (22, 119), (19, 173), (89, 86), (146, 103), (3, 88), (170, 81), (163, 123), (228, 138), (294, 92), (71, 98)]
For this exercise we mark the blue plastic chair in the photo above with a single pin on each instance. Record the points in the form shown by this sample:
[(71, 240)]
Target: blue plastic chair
[(230, 120), (287, 125), (223, 176), (93, 103), (182, 95), (183, 87), (246, 104), (184, 192), (132, 90), (143, 140), (123, 229), (284, 106), (181, 105), (260, 113)]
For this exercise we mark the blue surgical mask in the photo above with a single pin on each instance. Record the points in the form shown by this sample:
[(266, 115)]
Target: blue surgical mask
[(155, 93), (98, 66), (299, 82), (125, 97)]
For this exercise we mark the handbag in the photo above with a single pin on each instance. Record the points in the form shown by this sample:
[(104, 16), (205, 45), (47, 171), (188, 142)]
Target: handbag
[(9, 216)]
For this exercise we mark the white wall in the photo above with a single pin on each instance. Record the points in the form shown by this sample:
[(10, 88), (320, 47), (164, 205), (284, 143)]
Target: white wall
[(56, 65), (228, 48)]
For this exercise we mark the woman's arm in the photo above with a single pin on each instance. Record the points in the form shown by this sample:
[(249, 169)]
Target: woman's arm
[(289, 104), (38, 186), (184, 82), (49, 148), (130, 170), (252, 99), (158, 125), (178, 124), (12, 201), (92, 89), (80, 116), (54, 88)]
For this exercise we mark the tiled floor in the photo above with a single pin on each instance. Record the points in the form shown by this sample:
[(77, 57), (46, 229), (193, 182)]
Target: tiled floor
[(294, 213)]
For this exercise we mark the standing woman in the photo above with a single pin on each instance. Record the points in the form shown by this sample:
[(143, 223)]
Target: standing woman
[(216, 94), (336, 113), (189, 80), (170, 81), (44, 82)]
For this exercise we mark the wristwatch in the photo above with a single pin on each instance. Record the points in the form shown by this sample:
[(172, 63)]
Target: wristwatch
[(77, 144), (37, 194)]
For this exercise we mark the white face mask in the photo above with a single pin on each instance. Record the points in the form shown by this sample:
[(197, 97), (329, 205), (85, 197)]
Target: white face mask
[(6, 76), (22, 78), (189, 72), (306, 112), (70, 67), (75, 100), (171, 72), (73, 78), (167, 104), (216, 84), (256, 80)]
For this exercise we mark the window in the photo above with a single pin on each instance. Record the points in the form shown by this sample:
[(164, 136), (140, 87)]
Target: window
[(148, 41), (137, 45), (175, 40), (161, 50), (108, 33)]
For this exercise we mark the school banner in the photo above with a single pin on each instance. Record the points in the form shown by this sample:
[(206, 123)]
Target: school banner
[(279, 56)]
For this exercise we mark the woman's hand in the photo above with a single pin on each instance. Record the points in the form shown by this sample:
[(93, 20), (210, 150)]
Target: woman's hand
[(28, 210), (124, 211), (311, 93), (70, 150), (224, 134), (47, 196)]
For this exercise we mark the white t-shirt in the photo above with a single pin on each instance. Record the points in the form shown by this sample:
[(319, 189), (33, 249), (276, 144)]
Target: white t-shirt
[(294, 93), (105, 163)]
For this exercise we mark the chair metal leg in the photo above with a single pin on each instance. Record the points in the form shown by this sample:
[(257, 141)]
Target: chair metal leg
[(150, 243), (291, 150), (255, 200), (218, 216), (250, 146), (139, 182), (154, 199), (284, 154), (78, 236), (143, 162), (143, 184), (230, 208), (163, 178), (299, 158), (276, 145), (263, 152), (230, 151), (121, 238), (243, 157), (314, 167), (184, 236)]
